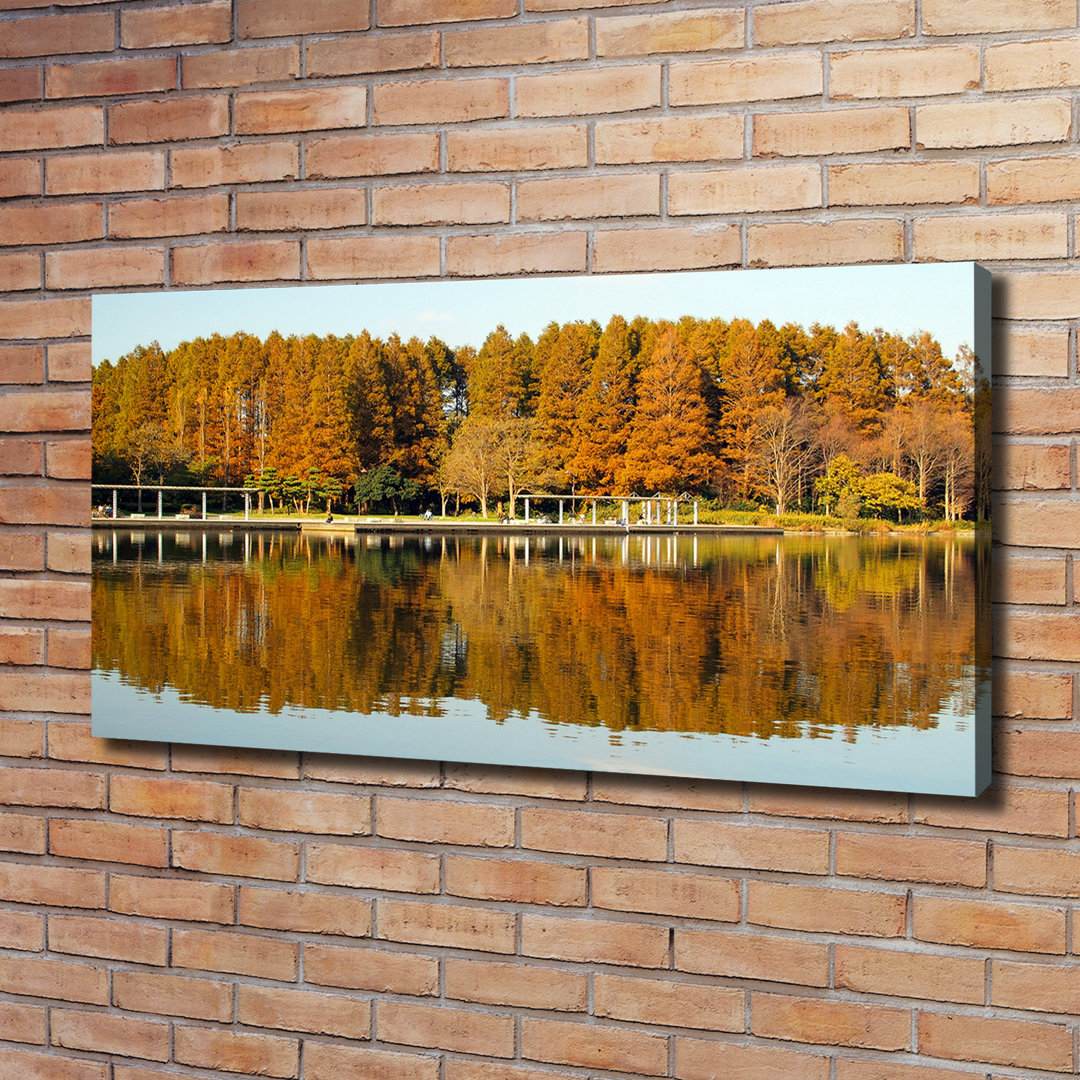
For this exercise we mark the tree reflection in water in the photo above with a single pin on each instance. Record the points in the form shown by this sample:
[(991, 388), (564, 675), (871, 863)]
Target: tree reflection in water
[(747, 635)]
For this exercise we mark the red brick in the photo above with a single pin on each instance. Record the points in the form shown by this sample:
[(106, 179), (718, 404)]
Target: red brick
[(528, 253), (1038, 412), (699, 1059), (1028, 581), (386, 869), (20, 457), (177, 24), (625, 195), (260, 113), (561, 146), (354, 56), (811, 243), (33, 976), (305, 911), (1036, 871), (1049, 636), (992, 123), (245, 163), (1046, 695), (674, 138), (21, 738), (22, 364), (453, 926), (22, 1023), (990, 924), (741, 955), (20, 84), (668, 248), (1035, 752), (529, 43), (173, 995), (68, 459), (69, 552), (992, 236), (48, 128), (666, 892), (105, 78), (282, 18), (23, 834), (712, 843), (100, 268), (172, 898), (473, 824), (440, 101), (107, 1034), (377, 970), (579, 93), (911, 858), (170, 120), (280, 765), (990, 16), (45, 223), (894, 183), (240, 856), (832, 131), (745, 190), (52, 693), (833, 20), (678, 32), (107, 938), (1001, 1042), (467, 203), (581, 832), (22, 929), (516, 985), (46, 319), (517, 880), (108, 841), (830, 1023), (41, 504), (372, 155), (838, 911), (22, 551), (309, 812), (761, 78), (916, 975), (305, 1010), (1032, 180), (28, 1065), (408, 12), (327, 1061), (594, 1046), (52, 787), (171, 797), (375, 257), (245, 67), (69, 362), (237, 1051), (592, 940), (183, 216), (1040, 987), (235, 953), (21, 270), (19, 176), (442, 1028), (79, 174), (890, 73), (49, 35), (1036, 295), (317, 208), (242, 260), (43, 599), (669, 1004), (1032, 467)]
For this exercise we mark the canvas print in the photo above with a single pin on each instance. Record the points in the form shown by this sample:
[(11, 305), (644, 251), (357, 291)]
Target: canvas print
[(728, 525)]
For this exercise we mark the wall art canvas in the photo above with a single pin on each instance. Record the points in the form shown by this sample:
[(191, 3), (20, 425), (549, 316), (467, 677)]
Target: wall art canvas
[(724, 525)]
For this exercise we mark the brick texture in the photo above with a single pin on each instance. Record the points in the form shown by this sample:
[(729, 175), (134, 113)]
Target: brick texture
[(174, 911)]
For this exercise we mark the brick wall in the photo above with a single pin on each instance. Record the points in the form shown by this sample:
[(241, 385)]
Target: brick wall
[(181, 912)]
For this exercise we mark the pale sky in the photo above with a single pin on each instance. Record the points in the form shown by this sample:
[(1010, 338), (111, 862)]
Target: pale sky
[(936, 297)]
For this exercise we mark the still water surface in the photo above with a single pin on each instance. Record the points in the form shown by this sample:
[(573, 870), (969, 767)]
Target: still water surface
[(838, 661)]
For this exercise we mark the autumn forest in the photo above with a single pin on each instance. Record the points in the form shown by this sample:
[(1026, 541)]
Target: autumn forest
[(842, 422)]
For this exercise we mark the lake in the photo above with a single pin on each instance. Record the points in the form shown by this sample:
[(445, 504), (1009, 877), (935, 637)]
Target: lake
[(840, 661)]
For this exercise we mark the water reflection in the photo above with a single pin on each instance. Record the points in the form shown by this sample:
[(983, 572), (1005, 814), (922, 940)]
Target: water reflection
[(747, 636)]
